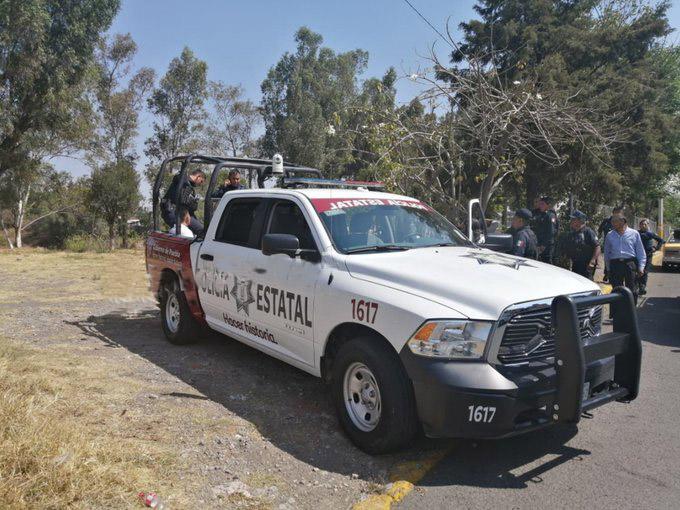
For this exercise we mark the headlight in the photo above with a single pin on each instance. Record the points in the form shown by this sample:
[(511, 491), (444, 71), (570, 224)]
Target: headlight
[(455, 339)]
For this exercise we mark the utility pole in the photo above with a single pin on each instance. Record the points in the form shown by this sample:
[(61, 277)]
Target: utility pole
[(660, 225)]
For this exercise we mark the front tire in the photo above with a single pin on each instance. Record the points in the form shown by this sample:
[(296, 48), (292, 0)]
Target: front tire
[(179, 326), (373, 396)]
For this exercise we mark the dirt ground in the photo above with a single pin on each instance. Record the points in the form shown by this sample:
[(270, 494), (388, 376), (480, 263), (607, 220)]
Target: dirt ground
[(231, 427)]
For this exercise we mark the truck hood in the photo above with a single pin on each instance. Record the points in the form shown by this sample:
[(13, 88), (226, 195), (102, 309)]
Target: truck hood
[(476, 283)]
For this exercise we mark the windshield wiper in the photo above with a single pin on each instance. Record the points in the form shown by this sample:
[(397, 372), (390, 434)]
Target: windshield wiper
[(436, 245), (384, 247)]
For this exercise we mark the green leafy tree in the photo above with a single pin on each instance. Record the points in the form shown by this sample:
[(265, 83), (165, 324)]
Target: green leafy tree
[(178, 106), (46, 48), (114, 194), (599, 54), (118, 106), (304, 96), (232, 121)]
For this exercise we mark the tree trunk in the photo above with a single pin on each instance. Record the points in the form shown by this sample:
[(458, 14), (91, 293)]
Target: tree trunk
[(112, 236), (21, 214), (125, 232), (4, 229)]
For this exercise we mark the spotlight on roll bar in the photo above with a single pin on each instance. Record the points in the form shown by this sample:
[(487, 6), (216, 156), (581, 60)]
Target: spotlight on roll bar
[(277, 164)]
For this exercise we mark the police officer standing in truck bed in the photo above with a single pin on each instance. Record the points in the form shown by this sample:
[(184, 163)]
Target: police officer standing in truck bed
[(546, 227), (581, 246), (523, 238), (187, 198)]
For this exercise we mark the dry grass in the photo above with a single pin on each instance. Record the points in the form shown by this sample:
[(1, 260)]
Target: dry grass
[(64, 441), (80, 276)]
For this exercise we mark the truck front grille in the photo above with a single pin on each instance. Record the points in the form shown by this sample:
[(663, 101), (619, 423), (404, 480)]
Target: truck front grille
[(529, 335)]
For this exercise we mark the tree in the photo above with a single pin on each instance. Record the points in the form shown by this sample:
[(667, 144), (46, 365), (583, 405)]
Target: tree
[(178, 106), (114, 194), (31, 191), (229, 129), (598, 53), (118, 106), (46, 47), (304, 96)]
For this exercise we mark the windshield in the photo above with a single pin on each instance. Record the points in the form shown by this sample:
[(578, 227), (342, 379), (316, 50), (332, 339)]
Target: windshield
[(364, 225)]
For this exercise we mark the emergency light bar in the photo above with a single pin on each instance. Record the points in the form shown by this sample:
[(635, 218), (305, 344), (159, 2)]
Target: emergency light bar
[(307, 182)]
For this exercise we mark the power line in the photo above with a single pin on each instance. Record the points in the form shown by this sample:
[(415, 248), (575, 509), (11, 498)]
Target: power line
[(428, 22)]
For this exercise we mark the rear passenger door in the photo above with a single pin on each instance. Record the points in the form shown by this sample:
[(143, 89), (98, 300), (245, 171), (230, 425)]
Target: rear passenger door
[(224, 264)]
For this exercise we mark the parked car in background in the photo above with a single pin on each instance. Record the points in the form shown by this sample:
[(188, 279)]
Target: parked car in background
[(671, 251)]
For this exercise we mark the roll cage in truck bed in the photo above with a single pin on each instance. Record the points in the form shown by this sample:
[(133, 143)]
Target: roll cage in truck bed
[(262, 167)]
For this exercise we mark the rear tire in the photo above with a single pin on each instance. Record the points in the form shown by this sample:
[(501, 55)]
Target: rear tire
[(373, 396), (179, 326)]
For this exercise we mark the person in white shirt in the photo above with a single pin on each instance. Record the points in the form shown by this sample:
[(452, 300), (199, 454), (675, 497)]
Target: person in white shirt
[(185, 219)]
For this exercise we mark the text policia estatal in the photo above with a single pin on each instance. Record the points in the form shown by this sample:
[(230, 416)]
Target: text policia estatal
[(270, 300), (284, 304)]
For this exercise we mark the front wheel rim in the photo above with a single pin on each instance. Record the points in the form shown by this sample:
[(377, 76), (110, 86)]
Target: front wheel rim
[(362, 397), (172, 313)]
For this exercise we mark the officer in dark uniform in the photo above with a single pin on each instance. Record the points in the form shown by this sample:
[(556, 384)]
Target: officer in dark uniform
[(547, 227), (231, 183), (581, 246), (187, 198), (648, 237), (523, 238)]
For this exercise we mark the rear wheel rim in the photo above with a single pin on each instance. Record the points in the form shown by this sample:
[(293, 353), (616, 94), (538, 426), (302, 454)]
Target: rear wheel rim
[(172, 314), (362, 397)]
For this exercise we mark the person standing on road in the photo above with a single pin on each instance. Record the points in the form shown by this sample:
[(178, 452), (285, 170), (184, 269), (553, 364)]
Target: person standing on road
[(187, 198), (624, 255), (604, 229), (582, 246), (523, 238), (231, 183), (648, 237), (547, 228)]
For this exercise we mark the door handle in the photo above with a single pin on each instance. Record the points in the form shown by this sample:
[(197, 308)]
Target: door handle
[(260, 270), (207, 256)]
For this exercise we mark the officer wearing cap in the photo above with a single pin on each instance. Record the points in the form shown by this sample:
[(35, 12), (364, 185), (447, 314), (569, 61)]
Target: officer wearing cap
[(581, 246), (546, 226), (523, 238)]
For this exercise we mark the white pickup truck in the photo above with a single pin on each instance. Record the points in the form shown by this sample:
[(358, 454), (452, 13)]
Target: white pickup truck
[(413, 326)]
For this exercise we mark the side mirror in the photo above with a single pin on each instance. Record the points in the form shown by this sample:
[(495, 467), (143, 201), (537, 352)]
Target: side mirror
[(280, 243), (287, 244), (498, 242)]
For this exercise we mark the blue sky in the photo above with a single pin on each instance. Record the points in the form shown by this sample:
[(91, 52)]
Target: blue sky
[(240, 41)]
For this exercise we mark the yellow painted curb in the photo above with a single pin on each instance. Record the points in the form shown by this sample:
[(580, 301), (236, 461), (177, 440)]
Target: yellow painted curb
[(404, 476), (394, 493)]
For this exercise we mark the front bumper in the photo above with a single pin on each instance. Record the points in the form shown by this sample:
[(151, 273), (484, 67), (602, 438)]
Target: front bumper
[(470, 399), (517, 399)]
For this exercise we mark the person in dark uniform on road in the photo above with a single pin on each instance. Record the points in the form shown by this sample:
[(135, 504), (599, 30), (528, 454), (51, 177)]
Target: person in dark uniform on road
[(187, 198), (523, 238), (546, 227), (581, 246), (231, 183), (648, 241)]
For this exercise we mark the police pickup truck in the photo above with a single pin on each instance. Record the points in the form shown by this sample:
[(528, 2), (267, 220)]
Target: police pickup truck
[(413, 325)]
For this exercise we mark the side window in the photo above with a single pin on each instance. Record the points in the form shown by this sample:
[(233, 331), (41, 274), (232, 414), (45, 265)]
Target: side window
[(287, 218), (241, 222)]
